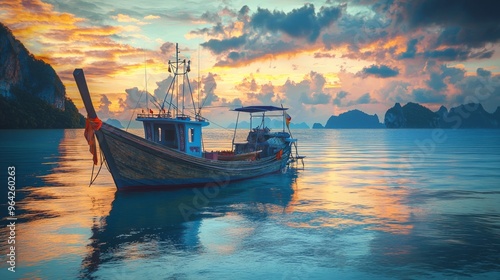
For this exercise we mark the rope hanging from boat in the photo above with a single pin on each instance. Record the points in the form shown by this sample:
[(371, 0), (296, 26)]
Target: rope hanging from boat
[(92, 177)]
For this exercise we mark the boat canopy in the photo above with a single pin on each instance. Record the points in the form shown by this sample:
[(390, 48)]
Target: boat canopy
[(255, 109)]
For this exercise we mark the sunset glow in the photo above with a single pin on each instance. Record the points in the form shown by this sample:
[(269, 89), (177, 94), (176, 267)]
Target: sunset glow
[(318, 59)]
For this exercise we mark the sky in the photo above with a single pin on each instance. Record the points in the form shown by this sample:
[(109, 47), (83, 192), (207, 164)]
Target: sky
[(318, 58)]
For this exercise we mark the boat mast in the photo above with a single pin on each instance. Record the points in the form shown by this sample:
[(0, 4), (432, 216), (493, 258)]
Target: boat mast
[(175, 78), (199, 66), (146, 82), (183, 86), (174, 88)]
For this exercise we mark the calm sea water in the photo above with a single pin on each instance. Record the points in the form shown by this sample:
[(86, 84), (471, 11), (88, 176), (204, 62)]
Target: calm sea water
[(369, 204)]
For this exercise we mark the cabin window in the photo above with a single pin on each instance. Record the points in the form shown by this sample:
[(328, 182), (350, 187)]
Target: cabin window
[(191, 135), (148, 131), (165, 134)]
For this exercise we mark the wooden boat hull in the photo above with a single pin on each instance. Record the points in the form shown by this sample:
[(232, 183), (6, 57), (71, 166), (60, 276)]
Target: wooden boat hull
[(137, 164)]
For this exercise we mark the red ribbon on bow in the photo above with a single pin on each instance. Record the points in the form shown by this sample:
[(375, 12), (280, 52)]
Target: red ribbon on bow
[(92, 125)]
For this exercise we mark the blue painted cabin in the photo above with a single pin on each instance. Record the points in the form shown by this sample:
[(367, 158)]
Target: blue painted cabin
[(179, 133)]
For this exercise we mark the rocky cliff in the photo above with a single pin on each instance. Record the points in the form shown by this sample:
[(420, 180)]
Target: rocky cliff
[(20, 69), (413, 115), (471, 115), (30, 87), (318, 126), (354, 119)]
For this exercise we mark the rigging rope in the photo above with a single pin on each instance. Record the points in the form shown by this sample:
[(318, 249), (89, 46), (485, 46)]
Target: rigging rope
[(133, 111), (92, 178)]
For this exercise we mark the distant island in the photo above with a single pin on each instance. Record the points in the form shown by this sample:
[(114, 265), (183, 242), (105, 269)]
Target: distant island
[(413, 115), (31, 93), (352, 119), (114, 122)]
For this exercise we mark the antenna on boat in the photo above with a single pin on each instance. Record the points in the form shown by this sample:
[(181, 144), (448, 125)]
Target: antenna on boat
[(199, 83), (174, 88), (146, 81), (175, 78)]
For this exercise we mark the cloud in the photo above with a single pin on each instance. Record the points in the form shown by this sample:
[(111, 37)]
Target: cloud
[(151, 17), (243, 13), (263, 98), (315, 98), (257, 93), (411, 49), (210, 17), (168, 48), (103, 109), (364, 99), (339, 96), (483, 88), (220, 46), (66, 41), (382, 71), (396, 91), (323, 55), (310, 91), (340, 99), (358, 31), (470, 23), (125, 18), (422, 95), (162, 87), (436, 82), (401, 45), (104, 68), (253, 50), (134, 98), (454, 74), (209, 86), (299, 23), (448, 54), (439, 80), (248, 85), (215, 31), (266, 33), (483, 73)]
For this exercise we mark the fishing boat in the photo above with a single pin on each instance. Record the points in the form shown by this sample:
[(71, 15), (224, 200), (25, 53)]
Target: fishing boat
[(171, 154)]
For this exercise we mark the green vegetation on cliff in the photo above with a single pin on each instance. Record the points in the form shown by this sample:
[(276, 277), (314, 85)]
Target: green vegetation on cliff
[(31, 93), (28, 111)]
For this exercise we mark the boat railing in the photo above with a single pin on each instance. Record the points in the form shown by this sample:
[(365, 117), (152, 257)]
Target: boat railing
[(169, 116), (160, 115)]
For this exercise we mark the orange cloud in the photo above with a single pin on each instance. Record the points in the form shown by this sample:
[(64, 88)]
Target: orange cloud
[(66, 41)]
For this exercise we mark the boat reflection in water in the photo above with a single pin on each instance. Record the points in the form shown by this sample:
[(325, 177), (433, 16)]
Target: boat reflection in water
[(148, 225)]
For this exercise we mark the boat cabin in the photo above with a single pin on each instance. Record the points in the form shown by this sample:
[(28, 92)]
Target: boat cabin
[(173, 128), (260, 138), (180, 133)]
